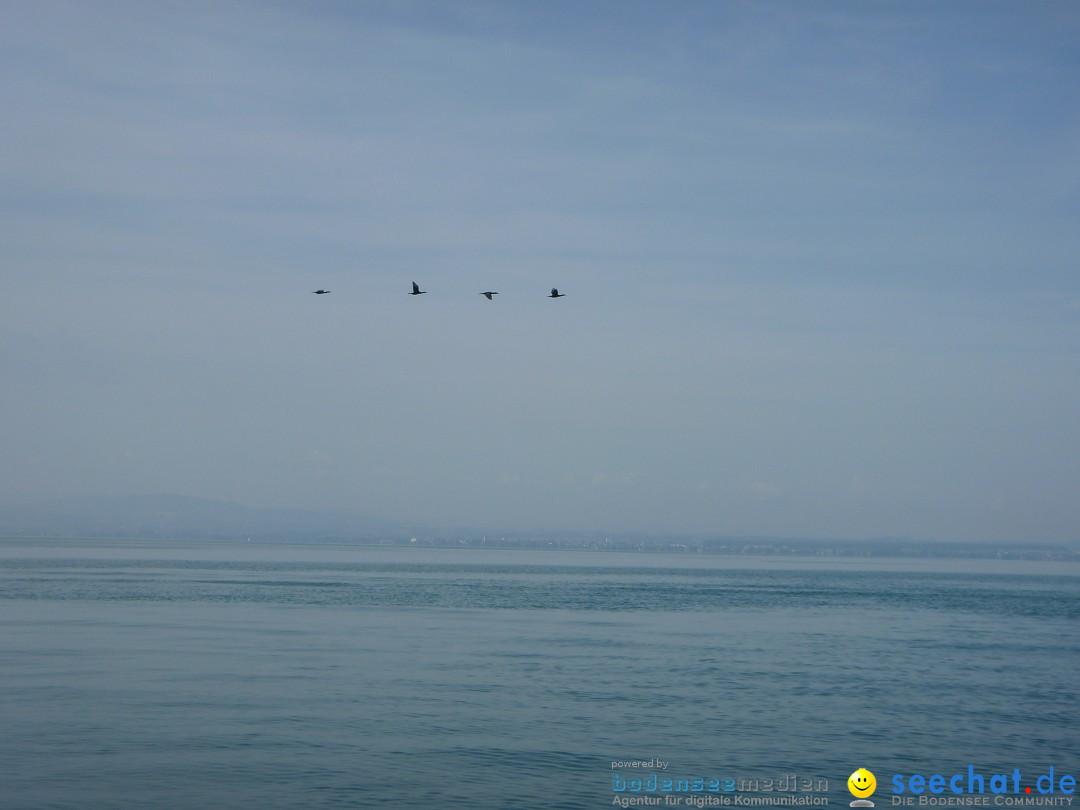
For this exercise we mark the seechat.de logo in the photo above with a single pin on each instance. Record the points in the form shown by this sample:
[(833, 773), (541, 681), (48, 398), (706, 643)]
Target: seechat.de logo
[(862, 784)]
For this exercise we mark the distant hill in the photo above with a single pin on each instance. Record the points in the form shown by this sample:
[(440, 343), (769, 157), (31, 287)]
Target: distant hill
[(179, 516)]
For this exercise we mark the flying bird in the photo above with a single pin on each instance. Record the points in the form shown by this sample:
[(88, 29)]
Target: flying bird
[(488, 295), (320, 292), (416, 289), (556, 294)]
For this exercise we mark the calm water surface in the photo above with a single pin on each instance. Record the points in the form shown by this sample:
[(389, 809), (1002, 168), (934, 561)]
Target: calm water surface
[(184, 675)]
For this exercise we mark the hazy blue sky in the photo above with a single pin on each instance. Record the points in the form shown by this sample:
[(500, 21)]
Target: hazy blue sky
[(820, 261)]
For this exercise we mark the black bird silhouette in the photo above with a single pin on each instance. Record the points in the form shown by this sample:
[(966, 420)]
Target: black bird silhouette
[(556, 294), (321, 292), (488, 295), (416, 289)]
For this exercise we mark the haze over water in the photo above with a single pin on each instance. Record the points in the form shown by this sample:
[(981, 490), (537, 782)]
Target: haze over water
[(819, 272), (819, 262)]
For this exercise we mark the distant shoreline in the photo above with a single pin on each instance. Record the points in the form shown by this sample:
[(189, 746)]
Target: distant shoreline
[(708, 547)]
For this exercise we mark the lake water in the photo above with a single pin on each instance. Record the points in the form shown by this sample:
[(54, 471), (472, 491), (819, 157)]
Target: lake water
[(215, 675)]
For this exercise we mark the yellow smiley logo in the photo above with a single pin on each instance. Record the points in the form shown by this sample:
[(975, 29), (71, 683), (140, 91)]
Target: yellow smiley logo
[(861, 783)]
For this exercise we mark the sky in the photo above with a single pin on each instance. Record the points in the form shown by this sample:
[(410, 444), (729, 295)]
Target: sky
[(820, 262)]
